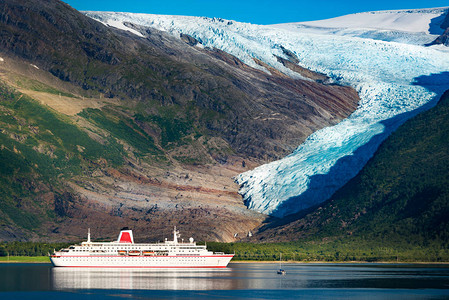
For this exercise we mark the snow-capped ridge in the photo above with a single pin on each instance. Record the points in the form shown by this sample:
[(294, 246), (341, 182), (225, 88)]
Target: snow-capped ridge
[(416, 26), (431, 10), (414, 20)]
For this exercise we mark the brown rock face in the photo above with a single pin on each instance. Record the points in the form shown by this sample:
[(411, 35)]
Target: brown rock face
[(443, 39)]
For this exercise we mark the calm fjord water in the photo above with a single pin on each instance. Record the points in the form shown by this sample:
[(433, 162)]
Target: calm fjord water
[(249, 281)]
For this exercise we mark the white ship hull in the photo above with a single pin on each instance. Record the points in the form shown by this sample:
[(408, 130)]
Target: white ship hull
[(115, 261)]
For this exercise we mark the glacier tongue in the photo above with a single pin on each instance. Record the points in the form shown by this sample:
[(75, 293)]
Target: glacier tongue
[(394, 80)]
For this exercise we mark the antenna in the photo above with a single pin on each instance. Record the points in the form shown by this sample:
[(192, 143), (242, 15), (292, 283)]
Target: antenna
[(175, 236)]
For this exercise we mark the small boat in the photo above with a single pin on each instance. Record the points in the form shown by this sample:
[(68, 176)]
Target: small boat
[(281, 271), (148, 253), (121, 252)]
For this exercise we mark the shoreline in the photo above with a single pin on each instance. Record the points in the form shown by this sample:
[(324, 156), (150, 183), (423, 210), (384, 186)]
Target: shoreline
[(337, 262), (46, 259), (24, 259)]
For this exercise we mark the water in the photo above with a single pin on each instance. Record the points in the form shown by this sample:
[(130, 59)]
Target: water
[(248, 281)]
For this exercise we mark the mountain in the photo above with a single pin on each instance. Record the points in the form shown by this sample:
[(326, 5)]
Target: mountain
[(102, 127), (394, 72), (400, 196)]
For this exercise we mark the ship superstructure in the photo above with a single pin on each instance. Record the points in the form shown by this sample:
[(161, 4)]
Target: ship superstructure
[(125, 253)]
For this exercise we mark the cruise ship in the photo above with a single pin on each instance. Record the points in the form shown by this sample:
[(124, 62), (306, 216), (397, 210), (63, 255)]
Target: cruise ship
[(124, 253)]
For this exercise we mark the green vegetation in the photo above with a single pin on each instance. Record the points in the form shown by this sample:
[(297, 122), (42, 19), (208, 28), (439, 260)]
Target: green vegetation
[(25, 259), (39, 125), (29, 248), (337, 251), (350, 250), (122, 128), (174, 122), (172, 129)]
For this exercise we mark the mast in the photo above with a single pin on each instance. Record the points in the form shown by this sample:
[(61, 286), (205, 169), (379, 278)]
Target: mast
[(88, 235)]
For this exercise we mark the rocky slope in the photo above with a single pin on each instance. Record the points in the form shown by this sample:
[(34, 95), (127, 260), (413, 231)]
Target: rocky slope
[(443, 39), (62, 172), (400, 196), (103, 128)]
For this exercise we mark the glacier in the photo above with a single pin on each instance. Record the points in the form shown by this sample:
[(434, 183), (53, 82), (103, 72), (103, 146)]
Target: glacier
[(396, 78)]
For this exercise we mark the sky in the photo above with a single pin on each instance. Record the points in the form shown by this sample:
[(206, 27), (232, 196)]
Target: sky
[(253, 11)]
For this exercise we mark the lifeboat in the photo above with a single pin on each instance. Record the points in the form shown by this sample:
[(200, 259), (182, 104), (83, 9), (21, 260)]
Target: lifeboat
[(134, 253), (121, 252), (148, 253)]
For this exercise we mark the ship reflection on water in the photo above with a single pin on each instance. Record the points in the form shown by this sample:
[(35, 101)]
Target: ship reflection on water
[(142, 279)]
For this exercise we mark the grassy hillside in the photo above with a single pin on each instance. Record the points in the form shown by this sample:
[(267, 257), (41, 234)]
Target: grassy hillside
[(39, 148), (401, 197)]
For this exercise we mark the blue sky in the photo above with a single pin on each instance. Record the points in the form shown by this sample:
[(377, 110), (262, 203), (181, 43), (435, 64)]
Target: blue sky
[(254, 11)]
